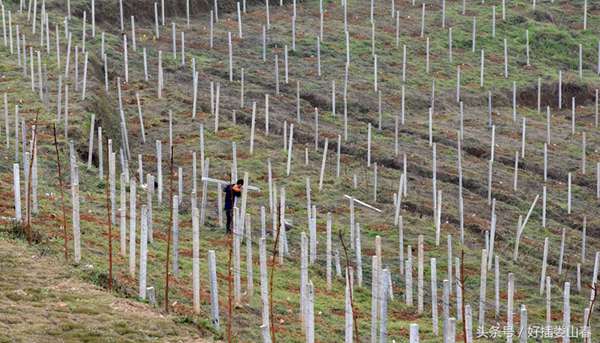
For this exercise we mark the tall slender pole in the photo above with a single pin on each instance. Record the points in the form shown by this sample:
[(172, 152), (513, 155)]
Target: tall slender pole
[(271, 277), (108, 213), (354, 319), (169, 234), (62, 194), (29, 178)]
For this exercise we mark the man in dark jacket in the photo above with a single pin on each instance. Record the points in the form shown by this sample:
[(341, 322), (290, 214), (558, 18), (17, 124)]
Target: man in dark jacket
[(231, 192)]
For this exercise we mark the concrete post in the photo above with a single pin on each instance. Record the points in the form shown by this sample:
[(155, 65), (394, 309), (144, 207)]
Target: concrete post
[(214, 293), (143, 252), (196, 259)]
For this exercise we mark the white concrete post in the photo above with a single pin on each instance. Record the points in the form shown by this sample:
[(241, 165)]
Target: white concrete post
[(548, 302), (375, 284), (237, 227), (249, 263), (562, 251), (469, 323), (420, 271), (496, 286), (76, 228), (414, 333), (328, 252), (289, 151), (544, 264), (510, 292), (123, 216), (583, 239), (264, 285), (112, 182), (450, 260), (446, 309), (385, 294), (132, 227), (358, 253), (566, 313), (459, 295), (214, 293), (143, 252), (408, 277), (159, 176), (323, 161), (434, 302), (523, 330), (310, 313), (17, 192), (482, 289), (348, 314), (303, 275), (196, 259)]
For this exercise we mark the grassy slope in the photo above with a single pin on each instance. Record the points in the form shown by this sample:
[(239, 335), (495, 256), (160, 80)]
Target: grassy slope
[(553, 46), (43, 300)]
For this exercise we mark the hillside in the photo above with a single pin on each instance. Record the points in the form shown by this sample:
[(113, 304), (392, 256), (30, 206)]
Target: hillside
[(483, 138), (43, 301)]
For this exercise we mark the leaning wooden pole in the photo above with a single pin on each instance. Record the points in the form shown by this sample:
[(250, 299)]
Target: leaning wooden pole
[(108, 217), (29, 179), (354, 320), (62, 194), (169, 232), (271, 277)]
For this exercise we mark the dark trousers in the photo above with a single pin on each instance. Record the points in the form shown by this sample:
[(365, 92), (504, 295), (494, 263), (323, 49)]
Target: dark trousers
[(229, 214)]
